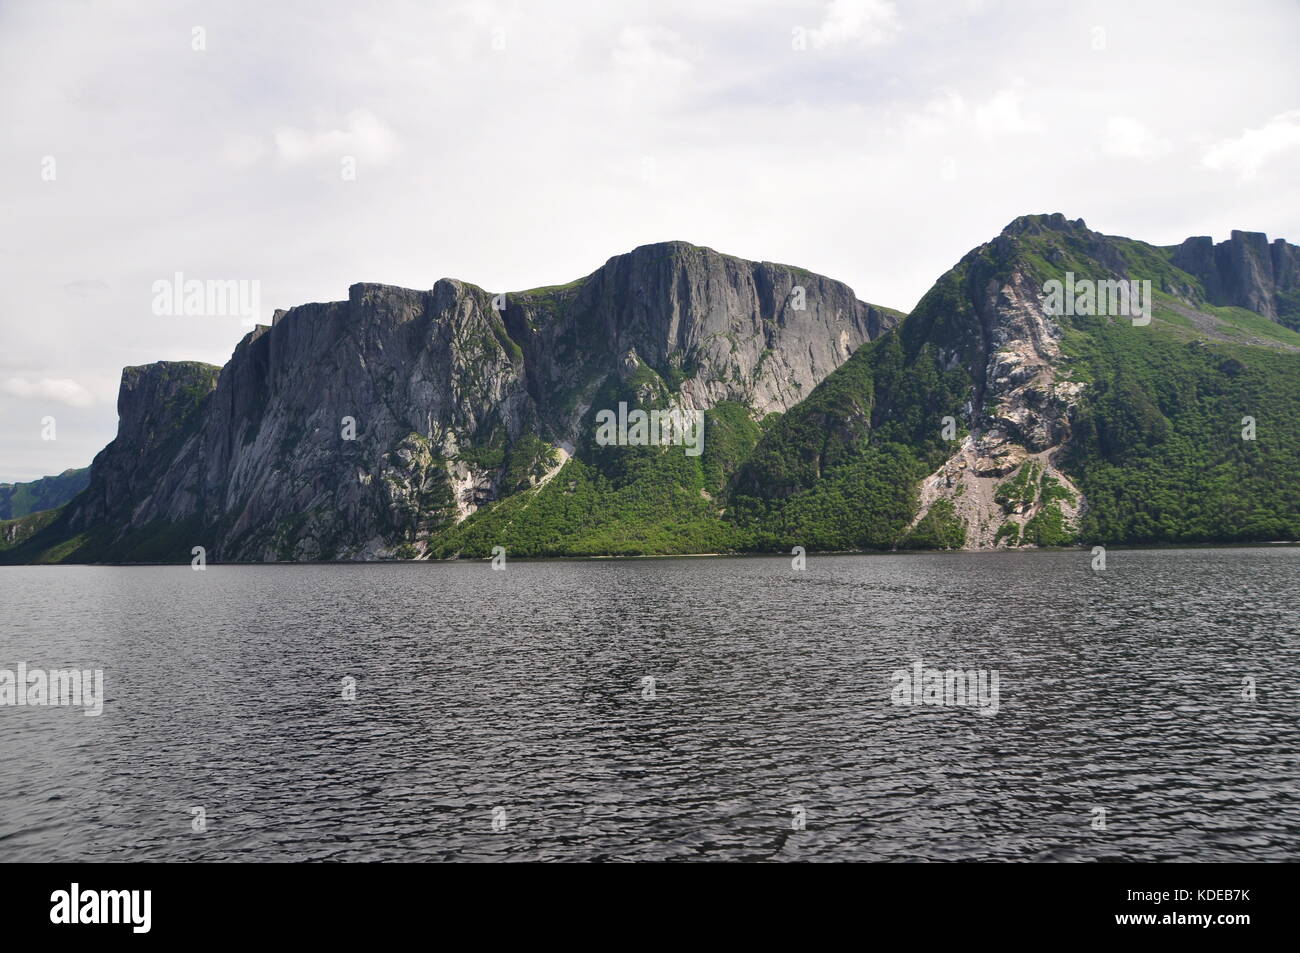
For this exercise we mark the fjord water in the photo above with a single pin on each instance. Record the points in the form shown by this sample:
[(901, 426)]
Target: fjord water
[(524, 690)]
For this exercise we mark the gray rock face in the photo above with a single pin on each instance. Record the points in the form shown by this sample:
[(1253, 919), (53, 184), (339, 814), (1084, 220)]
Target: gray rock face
[(351, 429), (158, 408), (1246, 271), (728, 329)]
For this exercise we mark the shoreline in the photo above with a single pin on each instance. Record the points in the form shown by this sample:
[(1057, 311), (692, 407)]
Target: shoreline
[(1082, 550)]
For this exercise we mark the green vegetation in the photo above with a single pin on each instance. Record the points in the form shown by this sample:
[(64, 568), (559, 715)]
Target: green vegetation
[(1052, 489), (729, 437), (20, 499), (1021, 490), (14, 532), (1048, 528), (939, 528), (1158, 449)]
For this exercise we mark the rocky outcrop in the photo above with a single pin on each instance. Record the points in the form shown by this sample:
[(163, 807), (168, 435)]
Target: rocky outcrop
[(720, 327), (1021, 405), (354, 429), (159, 410), (1019, 418), (1246, 271)]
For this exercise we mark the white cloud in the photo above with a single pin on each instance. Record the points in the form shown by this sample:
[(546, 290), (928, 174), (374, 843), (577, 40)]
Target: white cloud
[(243, 151), (650, 53), (363, 135), (913, 137), (938, 116), (856, 23), (61, 390), (1004, 115), (1249, 152), (948, 113), (86, 287), (1127, 137)]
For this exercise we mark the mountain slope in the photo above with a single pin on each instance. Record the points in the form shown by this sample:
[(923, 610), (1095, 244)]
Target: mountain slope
[(370, 427), (1067, 427), (20, 499)]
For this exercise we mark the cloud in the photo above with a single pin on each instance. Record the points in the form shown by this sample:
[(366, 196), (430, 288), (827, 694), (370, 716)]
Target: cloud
[(859, 23), (61, 390), (650, 54), (243, 151), (1004, 115), (880, 160), (1249, 152), (1127, 137), (947, 113), (85, 288), (940, 115), (363, 135)]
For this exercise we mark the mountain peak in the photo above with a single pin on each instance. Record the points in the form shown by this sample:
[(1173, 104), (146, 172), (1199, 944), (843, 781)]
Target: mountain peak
[(1047, 221)]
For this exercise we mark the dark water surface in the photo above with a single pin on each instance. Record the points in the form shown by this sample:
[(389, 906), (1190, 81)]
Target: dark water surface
[(523, 690)]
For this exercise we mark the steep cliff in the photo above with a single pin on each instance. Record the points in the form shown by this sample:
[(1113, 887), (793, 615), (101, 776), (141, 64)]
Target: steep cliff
[(361, 428), (1246, 271)]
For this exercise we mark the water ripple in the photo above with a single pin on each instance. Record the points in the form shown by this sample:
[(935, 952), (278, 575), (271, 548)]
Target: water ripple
[(526, 691)]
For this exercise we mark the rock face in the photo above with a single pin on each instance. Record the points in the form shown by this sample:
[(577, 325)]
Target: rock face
[(158, 407), (1246, 271), (1020, 411), (730, 329), (352, 429)]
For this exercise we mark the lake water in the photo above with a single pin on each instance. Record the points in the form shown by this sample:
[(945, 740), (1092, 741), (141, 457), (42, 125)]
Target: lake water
[(518, 700)]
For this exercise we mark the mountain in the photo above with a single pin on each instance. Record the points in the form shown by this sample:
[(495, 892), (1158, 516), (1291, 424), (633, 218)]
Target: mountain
[(1028, 400), (368, 427), (1068, 427), (20, 499)]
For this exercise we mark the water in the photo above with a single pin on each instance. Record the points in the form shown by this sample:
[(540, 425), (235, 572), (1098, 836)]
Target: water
[(523, 690)]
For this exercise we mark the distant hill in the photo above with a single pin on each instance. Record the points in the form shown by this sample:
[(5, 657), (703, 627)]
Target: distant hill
[(20, 499)]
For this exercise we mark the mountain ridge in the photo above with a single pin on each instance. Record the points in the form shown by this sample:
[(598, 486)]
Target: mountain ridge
[(455, 397), (979, 420)]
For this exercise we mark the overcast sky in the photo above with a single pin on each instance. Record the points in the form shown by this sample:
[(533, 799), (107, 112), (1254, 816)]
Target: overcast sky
[(523, 144)]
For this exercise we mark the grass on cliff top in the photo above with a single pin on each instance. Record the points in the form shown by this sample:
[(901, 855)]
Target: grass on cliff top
[(551, 290)]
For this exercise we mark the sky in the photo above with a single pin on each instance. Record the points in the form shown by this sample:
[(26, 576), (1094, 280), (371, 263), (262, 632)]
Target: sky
[(308, 146)]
